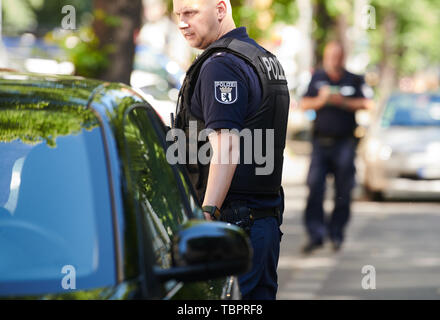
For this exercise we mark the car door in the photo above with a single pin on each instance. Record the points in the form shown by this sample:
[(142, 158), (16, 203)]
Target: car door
[(229, 285), (165, 201)]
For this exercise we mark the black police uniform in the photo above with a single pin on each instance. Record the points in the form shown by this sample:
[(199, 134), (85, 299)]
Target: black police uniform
[(334, 148), (236, 84)]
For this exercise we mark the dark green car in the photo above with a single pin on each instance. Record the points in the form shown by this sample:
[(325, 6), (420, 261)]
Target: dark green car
[(90, 208)]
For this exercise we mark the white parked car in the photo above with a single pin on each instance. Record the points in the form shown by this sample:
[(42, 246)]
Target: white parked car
[(401, 152)]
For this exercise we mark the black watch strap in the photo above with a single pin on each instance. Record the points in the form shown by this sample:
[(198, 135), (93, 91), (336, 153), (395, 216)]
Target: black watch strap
[(213, 211)]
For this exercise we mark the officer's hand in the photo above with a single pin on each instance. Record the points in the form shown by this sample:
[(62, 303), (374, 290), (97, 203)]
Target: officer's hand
[(208, 216), (336, 99), (324, 95), (369, 105)]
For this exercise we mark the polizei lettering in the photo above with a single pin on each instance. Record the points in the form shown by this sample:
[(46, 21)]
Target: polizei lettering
[(274, 69), (187, 310)]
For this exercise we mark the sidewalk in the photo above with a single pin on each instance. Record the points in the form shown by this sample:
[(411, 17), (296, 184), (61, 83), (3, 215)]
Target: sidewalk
[(400, 240)]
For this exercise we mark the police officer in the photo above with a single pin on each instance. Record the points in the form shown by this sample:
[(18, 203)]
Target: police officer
[(335, 94), (235, 84)]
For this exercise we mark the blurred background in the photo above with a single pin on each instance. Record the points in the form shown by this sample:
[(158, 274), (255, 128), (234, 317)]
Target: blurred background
[(394, 43)]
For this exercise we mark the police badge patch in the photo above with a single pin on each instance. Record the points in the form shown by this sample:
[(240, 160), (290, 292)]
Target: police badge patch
[(226, 91)]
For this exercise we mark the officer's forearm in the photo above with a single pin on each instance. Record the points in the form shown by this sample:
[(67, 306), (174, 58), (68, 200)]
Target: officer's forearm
[(225, 156), (308, 103), (354, 104)]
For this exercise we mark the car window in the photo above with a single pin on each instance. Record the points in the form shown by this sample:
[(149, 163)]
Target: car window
[(154, 183), (190, 194), (182, 175), (412, 110), (55, 208)]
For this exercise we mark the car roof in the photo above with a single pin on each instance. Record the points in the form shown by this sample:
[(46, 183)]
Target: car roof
[(62, 89), (414, 94), (29, 83)]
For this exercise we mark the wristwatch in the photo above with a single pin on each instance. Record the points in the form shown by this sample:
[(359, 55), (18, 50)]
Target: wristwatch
[(213, 211)]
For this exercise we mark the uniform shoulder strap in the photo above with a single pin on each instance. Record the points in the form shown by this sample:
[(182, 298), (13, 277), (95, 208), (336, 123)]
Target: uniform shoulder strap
[(265, 64), (237, 47), (223, 45)]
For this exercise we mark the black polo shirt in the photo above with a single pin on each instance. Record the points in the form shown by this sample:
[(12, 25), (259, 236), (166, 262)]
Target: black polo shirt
[(331, 120), (231, 111)]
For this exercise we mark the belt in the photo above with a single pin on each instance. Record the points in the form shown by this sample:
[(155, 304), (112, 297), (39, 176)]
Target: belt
[(243, 216), (264, 213)]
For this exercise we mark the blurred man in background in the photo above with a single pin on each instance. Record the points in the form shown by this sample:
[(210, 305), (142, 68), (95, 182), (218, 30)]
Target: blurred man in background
[(335, 94)]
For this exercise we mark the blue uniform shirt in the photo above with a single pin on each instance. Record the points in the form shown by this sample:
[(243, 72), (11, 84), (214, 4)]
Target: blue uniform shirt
[(220, 110), (331, 120)]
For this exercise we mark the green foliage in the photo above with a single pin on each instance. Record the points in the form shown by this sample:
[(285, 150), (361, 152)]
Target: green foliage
[(83, 49), (50, 15), (36, 122), (151, 174), (414, 40), (40, 16), (325, 15), (35, 113), (247, 15), (19, 15), (91, 294), (109, 20), (411, 44), (285, 11)]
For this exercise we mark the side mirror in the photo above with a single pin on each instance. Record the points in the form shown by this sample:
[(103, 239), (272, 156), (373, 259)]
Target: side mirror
[(207, 250)]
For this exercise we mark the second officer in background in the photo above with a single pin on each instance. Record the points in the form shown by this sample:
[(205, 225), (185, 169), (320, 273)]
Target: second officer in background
[(335, 94)]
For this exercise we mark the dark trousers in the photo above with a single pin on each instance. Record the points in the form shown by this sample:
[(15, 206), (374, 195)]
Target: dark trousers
[(261, 283), (337, 157)]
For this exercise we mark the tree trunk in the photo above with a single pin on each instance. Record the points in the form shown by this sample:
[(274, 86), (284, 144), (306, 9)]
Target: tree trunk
[(388, 72), (325, 25), (305, 25), (119, 35), (341, 31)]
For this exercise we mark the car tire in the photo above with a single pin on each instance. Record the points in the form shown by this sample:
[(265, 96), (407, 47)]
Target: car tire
[(373, 195)]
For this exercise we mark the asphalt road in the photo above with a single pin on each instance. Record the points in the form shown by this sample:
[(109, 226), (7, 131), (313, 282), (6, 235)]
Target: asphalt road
[(397, 244)]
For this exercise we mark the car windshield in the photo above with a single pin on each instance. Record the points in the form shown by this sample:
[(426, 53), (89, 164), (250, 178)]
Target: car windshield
[(412, 110), (55, 212)]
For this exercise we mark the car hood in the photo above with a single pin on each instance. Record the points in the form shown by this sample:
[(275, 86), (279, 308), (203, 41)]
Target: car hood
[(408, 139)]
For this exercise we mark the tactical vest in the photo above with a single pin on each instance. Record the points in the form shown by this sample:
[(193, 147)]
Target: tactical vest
[(272, 114)]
